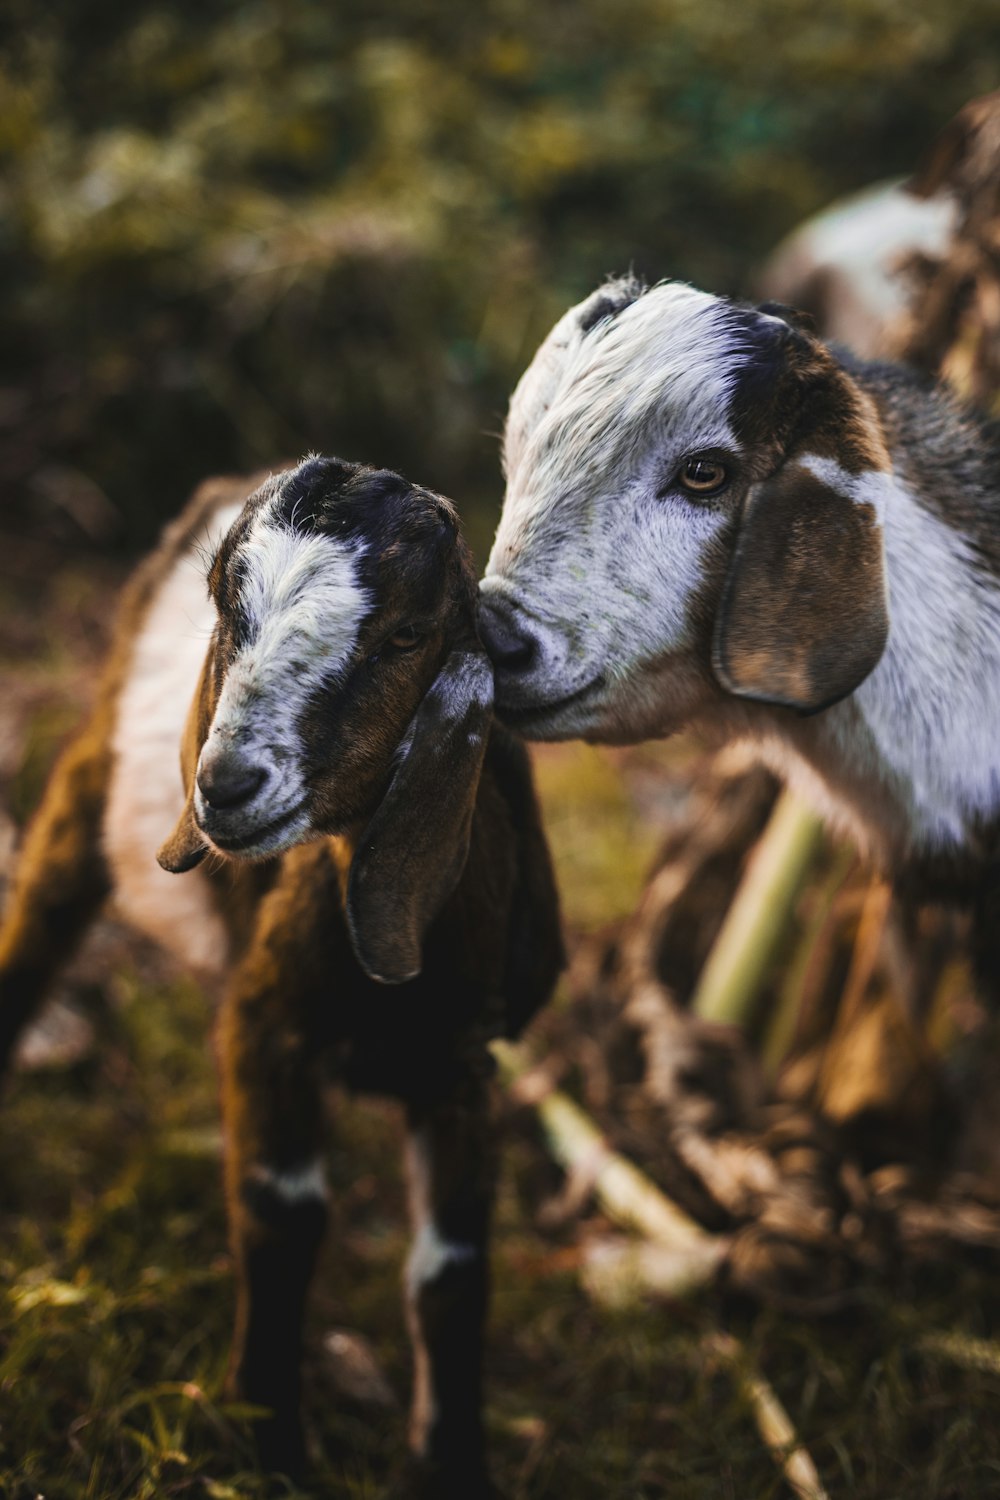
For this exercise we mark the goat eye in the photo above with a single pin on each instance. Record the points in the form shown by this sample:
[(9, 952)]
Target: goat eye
[(702, 475), (406, 638)]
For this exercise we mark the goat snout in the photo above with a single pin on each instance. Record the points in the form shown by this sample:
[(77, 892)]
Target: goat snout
[(228, 780), (507, 636), (547, 685)]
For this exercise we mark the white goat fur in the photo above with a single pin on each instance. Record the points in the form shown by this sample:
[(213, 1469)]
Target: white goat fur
[(146, 793), (606, 560), (300, 601)]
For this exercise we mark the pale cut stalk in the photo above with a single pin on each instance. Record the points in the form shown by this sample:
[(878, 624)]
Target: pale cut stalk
[(773, 1422), (783, 1021), (625, 1193), (964, 1350), (631, 1200), (759, 914), (622, 1271)]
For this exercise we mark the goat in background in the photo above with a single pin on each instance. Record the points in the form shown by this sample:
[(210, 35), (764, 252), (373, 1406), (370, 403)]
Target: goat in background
[(844, 266)]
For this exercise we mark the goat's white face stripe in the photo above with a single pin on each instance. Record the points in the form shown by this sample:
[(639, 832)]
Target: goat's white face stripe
[(592, 544), (664, 366), (302, 607)]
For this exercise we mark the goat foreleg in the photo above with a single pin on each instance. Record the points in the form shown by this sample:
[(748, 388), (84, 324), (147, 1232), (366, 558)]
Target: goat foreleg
[(272, 1106), (451, 1175)]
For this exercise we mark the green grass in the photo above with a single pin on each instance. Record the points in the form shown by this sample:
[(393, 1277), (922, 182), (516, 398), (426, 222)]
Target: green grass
[(118, 1295)]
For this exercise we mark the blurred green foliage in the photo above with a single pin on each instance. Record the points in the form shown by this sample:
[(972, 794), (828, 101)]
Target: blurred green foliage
[(234, 231)]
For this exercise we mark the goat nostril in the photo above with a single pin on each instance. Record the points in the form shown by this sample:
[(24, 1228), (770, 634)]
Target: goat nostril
[(504, 641), (226, 781), (517, 655)]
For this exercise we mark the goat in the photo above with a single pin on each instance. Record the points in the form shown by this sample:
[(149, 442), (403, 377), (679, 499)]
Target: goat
[(713, 519), (843, 265), (367, 872)]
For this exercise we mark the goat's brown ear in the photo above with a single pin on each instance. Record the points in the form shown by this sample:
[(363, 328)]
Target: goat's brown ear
[(413, 851), (804, 613), (186, 846)]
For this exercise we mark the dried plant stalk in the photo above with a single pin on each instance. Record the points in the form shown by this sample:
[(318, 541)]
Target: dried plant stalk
[(624, 1192), (773, 1422), (759, 915), (618, 1270), (970, 1353), (786, 1018)]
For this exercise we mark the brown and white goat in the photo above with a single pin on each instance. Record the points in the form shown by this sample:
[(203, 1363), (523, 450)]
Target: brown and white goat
[(356, 851), (844, 265), (713, 519)]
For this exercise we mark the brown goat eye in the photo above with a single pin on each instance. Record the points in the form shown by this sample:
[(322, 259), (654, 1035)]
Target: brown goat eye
[(406, 638), (702, 476)]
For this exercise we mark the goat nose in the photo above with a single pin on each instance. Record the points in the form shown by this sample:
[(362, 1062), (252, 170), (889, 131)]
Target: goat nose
[(227, 781), (506, 642)]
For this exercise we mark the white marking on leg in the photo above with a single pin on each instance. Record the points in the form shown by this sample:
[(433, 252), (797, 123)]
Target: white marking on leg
[(432, 1254), (294, 1184)]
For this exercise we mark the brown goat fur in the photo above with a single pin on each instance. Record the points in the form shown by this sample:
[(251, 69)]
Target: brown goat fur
[(346, 814)]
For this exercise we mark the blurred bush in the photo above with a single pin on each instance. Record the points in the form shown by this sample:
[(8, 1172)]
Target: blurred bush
[(233, 232)]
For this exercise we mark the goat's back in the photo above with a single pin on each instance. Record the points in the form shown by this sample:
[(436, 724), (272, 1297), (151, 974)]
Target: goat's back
[(163, 632)]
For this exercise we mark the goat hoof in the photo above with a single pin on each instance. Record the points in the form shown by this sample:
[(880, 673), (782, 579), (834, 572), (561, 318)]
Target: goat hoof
[(281, 1448)]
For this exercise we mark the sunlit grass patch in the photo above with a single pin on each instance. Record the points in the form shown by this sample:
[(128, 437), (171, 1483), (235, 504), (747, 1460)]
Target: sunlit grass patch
[(601, 844)]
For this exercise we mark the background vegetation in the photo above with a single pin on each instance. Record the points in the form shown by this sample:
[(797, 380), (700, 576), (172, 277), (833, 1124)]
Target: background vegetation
[(234, 231)]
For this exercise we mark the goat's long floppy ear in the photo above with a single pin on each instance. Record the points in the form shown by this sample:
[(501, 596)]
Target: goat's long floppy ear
[(186, 846), (804, 613), (413, 851)]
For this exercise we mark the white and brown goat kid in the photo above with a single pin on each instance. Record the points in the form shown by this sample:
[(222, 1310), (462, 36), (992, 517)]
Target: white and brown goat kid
[(367, 873), (714, 519)]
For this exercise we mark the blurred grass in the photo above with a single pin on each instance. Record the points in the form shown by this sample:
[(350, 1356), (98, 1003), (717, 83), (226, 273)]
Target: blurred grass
[(231, 233), (118, 1299), (601, 844), (117, 1293)]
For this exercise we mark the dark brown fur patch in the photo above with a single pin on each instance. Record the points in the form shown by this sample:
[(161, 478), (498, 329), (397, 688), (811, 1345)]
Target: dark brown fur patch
[(793, 396), (413, 851), (803, 617), (299, 1004)]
